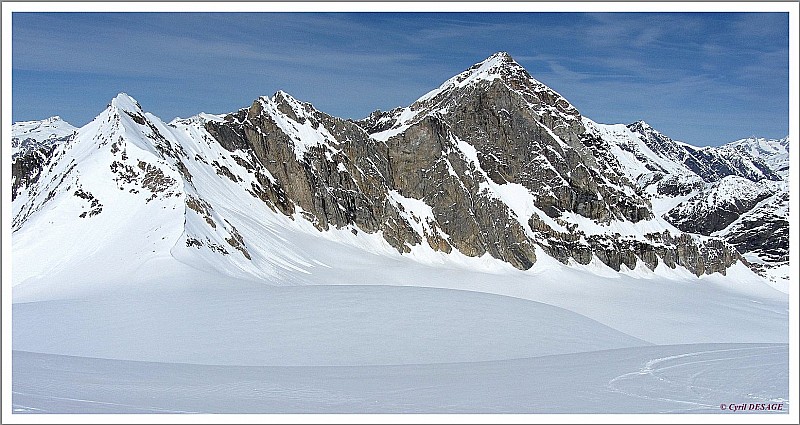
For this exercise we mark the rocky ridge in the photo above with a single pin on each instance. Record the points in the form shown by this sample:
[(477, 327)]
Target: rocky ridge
[(738, 191), (492, 162)]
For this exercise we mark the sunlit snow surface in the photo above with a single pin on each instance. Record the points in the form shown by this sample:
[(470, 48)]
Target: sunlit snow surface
[(694, 378), (385, 349), (116, 313)]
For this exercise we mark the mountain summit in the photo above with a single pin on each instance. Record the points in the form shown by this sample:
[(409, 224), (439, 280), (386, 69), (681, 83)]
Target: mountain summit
[(497, 74), (491, 169), (31, 135)]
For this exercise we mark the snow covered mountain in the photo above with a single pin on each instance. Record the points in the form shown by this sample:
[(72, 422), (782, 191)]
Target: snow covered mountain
[(30, 135), (774, 152), (710, 163), (491, 169), (453, 255), (738, 192), (32, 143)]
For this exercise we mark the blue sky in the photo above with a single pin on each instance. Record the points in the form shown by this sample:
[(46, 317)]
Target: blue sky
[(704, 78)]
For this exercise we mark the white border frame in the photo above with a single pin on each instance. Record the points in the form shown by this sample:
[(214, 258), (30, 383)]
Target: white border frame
[(790, 7)]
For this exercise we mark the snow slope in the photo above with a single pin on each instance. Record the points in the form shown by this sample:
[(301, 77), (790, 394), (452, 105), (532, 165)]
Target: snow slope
[(639, 303), (251, 348), (309, 326)]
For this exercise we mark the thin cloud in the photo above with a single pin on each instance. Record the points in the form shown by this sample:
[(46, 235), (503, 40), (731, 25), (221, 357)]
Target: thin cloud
[(612, 66)]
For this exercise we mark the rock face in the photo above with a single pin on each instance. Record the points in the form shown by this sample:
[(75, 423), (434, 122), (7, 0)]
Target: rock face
[(491, 163), (32, 146), (26, 167), (328, 168)]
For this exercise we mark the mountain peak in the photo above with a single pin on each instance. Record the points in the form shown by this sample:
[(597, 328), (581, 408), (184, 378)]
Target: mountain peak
[(498, 59), (126, 103), (289, 106), (54, 120), (281, 96), (499, 65), (27, 135), (497, 73), (643, 128)]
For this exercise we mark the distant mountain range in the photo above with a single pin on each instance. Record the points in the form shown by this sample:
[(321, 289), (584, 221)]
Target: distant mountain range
[(491, 166)]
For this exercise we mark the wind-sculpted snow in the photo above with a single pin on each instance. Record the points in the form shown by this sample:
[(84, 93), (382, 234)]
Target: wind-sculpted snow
[(309, 326), (701, 379), (249, 348), (353, 349)]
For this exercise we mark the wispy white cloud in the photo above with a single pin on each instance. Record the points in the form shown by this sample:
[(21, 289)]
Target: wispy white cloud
[(612, 66)]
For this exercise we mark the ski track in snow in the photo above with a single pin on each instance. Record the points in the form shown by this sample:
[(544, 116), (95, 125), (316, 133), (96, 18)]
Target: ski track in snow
[(667, 379), (363, 349), (115, 406), (634, 383)]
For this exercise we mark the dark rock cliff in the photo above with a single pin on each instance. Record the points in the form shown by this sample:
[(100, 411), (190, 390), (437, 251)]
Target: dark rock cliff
[(460, 150)]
